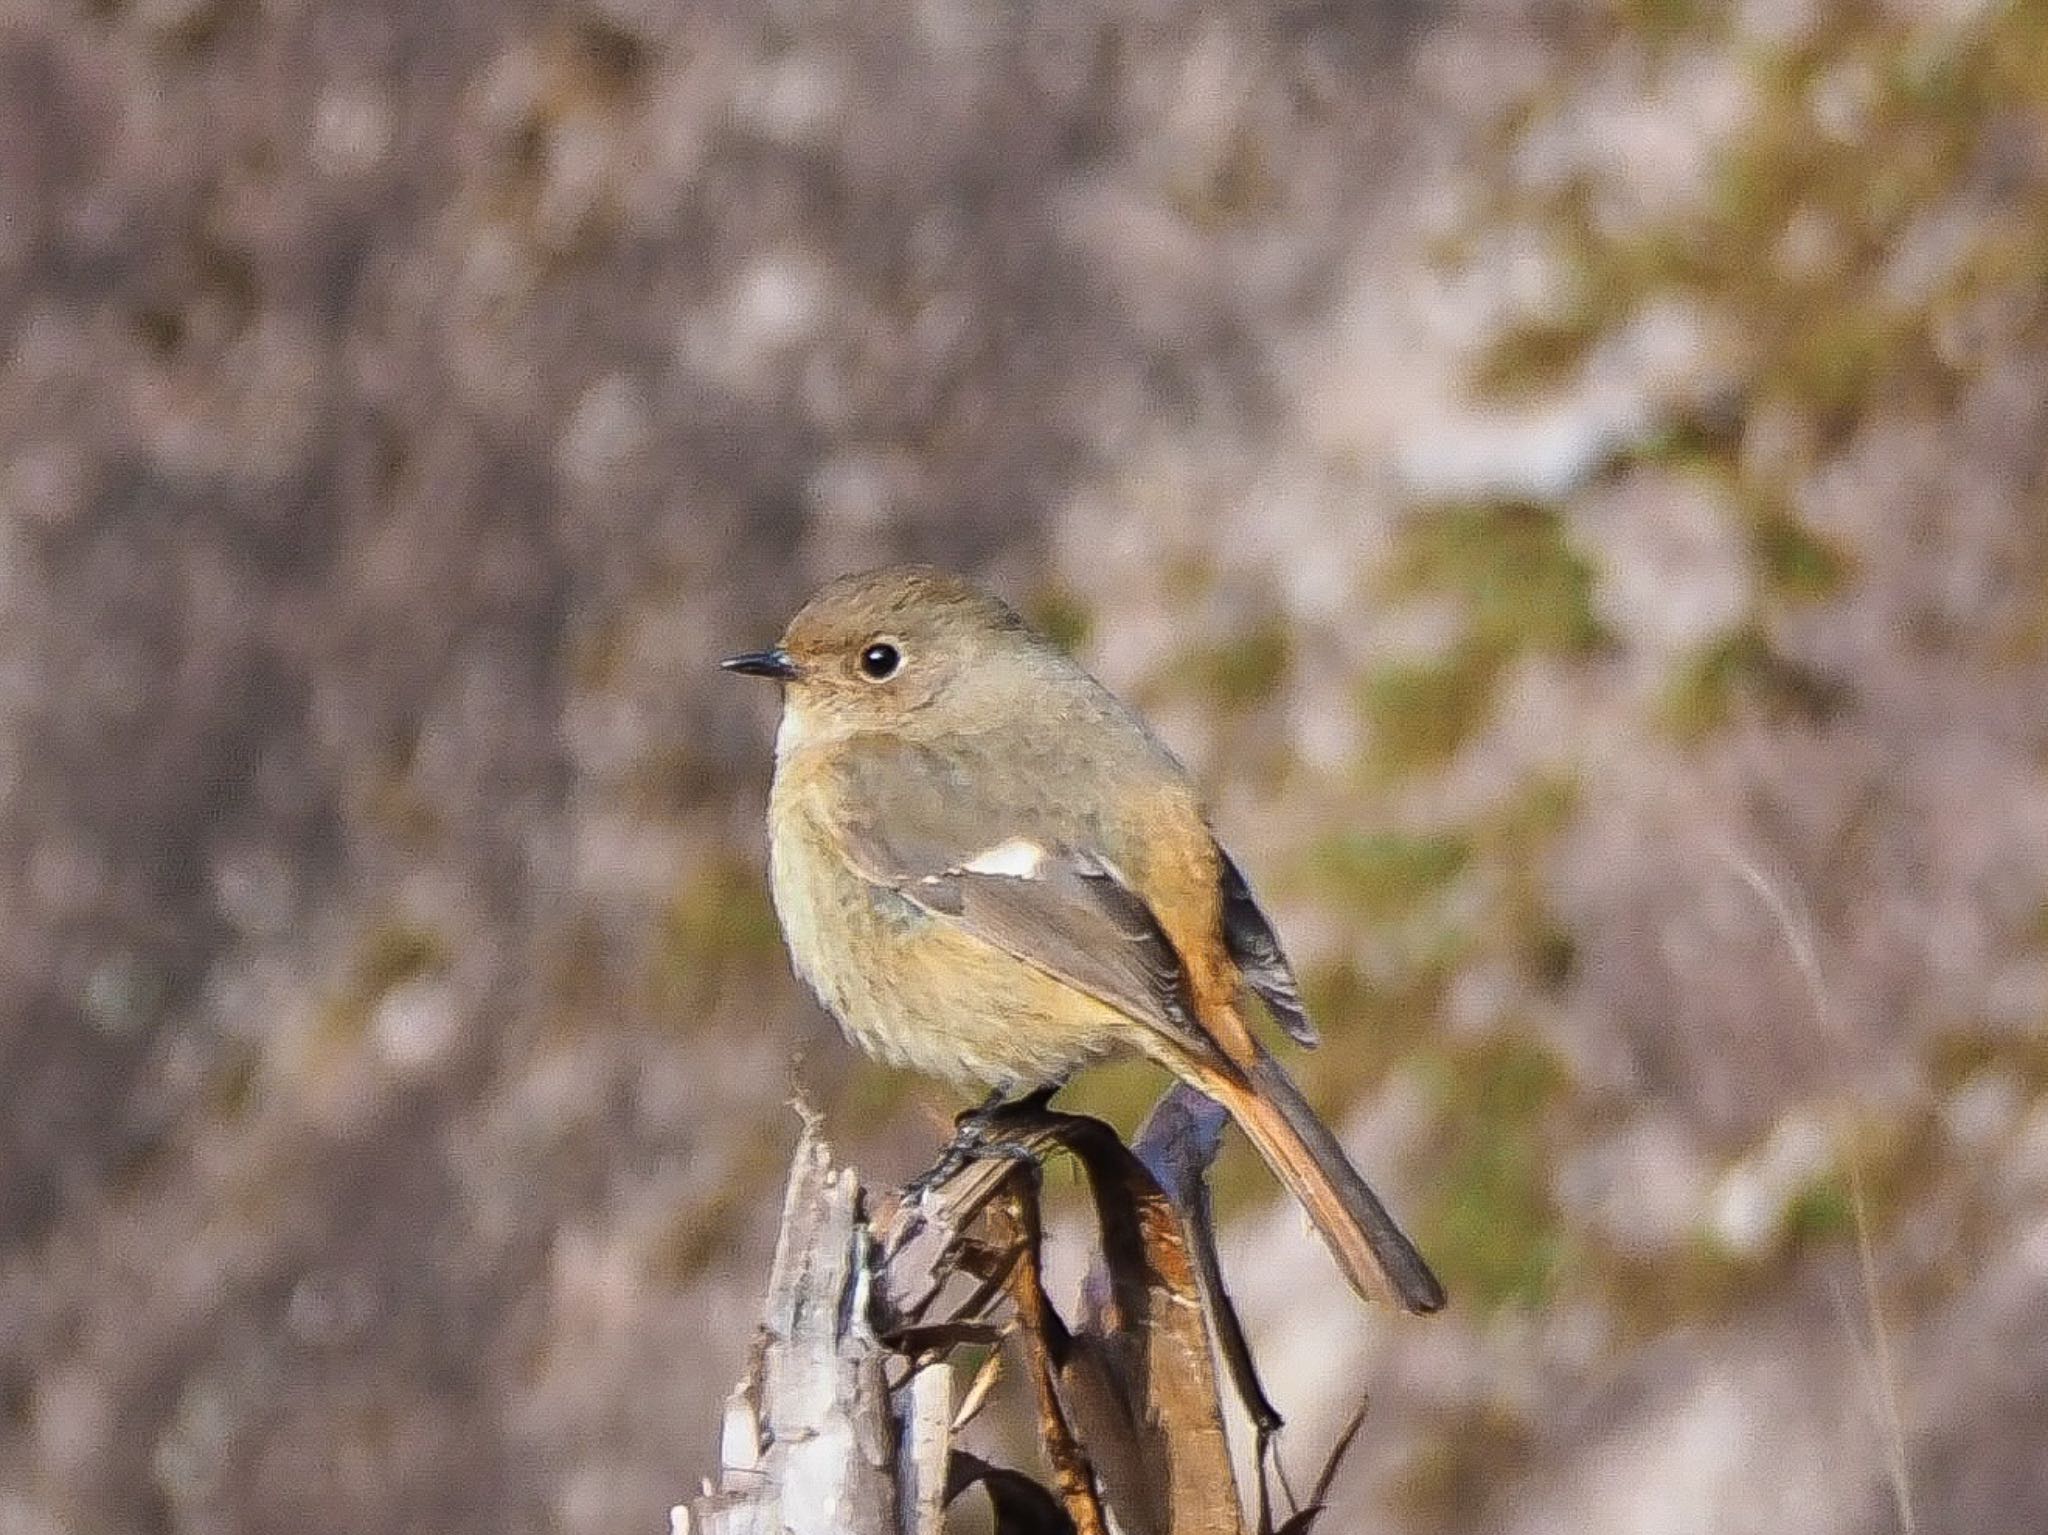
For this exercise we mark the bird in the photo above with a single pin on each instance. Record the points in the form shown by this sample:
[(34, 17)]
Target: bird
[(989, 870)]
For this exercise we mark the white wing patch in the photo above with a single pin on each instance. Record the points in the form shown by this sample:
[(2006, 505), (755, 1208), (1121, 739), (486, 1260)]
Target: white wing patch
[(1018, 858)]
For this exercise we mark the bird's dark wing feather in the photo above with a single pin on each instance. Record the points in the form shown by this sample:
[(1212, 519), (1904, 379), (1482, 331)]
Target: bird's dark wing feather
[(1076, 921), (1256, 948), (904, 824)]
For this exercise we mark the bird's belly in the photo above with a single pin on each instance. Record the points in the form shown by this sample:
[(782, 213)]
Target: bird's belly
[(915, 990)]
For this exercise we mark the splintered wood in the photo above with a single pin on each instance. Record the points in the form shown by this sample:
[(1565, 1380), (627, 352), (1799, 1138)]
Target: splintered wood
[(847, 1422), (811, 1443)]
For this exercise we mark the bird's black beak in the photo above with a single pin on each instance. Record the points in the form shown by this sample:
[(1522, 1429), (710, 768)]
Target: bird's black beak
[(763, 663)]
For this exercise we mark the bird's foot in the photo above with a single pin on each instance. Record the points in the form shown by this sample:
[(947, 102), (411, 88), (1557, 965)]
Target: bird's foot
[(977, 1138)]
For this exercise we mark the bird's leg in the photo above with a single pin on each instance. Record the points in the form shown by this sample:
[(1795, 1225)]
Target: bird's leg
[(981, 1112), (968, 1129), (975, 1139), (977, 1124)]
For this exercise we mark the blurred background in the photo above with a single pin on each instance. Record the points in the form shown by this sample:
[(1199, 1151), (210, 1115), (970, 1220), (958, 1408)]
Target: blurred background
[(1568, 475)]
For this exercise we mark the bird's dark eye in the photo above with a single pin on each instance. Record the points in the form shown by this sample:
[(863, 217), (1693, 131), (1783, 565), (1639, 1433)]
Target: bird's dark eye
[(879, 661)]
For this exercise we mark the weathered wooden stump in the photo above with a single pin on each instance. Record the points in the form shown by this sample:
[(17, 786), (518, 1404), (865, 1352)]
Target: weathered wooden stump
[(847, 1419)]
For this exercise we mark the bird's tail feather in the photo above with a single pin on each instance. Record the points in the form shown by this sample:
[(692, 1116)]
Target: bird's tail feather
[(1378, 1259)]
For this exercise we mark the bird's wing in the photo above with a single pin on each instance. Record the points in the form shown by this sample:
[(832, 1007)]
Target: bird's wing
[(907, 821), (1256, 948)]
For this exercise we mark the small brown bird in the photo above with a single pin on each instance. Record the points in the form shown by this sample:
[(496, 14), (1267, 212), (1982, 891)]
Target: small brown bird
[(989, 870)]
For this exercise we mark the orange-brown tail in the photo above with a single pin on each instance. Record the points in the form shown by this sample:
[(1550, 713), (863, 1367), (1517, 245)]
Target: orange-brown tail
[(1381, 1263)]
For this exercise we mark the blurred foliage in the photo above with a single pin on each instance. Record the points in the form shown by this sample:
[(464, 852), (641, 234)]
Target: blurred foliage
[(1821, 1212), (1516, 838), (1381, 1021), (1961, 1054), (1521, 584), (389, 954), (1519, 587), (1451, 1484), (1121, 1092), (1061, 616), (1382, 876), (1422, 712), (1796, 562), (671, 783), (1492, 1228), (1239, 672), (1744, 667), (1868, 142), (1648, 1296), (718, 929), (1829, 336), (1878, 1165)]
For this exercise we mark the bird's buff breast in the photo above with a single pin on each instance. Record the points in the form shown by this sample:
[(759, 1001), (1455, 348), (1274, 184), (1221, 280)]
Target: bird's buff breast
[(912, 988)]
